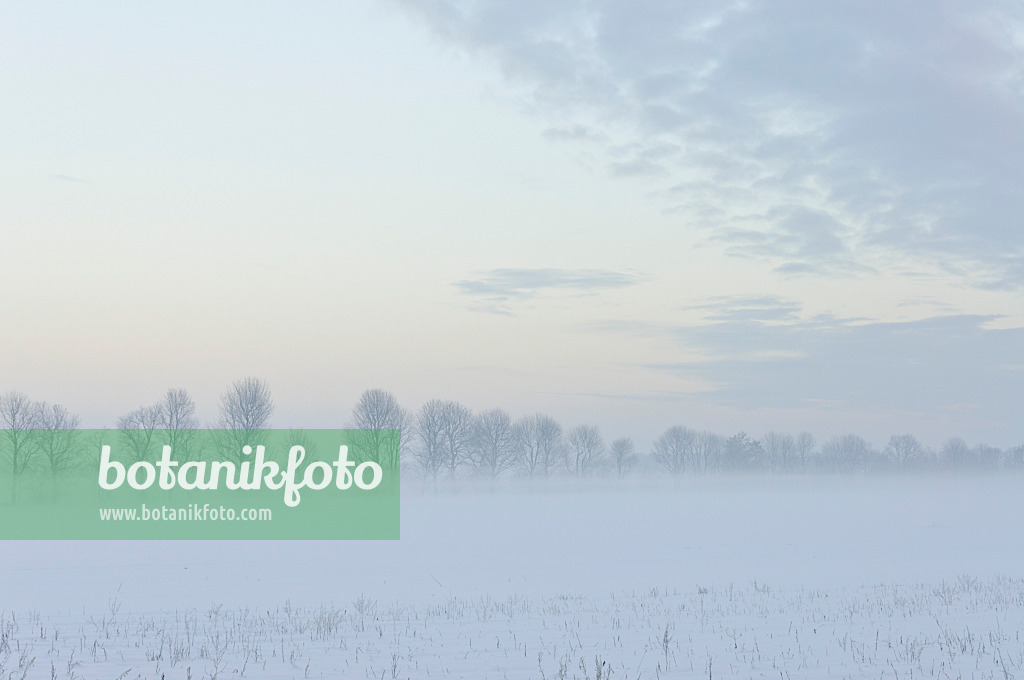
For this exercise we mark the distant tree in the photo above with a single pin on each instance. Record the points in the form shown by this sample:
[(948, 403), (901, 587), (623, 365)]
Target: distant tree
[(804, 448), (56, 440), (586, 450), (904, 450), (539, 445), (139, 431), (19, 418), (246, 405), (308, 442), (457, 421), (673, 450), (492, 443), (443, 428), (707, 452), (846, 453), (245, 411), (178, 423), (430, 438), (377, 412), (779, 449), (623, 456), (1014, 458), (956, 453), (178, 411), (741, 453), (987, 457)]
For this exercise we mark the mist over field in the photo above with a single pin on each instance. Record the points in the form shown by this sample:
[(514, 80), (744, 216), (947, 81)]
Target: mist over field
[(597, 538), (754, 576)]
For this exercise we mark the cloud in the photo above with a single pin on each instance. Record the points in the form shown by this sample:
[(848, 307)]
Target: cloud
[(500, 286), (927, 365), (824, 137), (763, 308), (575, 132)]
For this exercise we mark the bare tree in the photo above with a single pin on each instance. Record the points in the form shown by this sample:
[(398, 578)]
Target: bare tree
[(139, 431), (246, 405), (379, 413), (179, 411), (245, 411), (179, 423), (956, 453), (779, 449), (456, 428), (443, 430), (308, 442), (804, 448), (586, 450), (378, 409), (19, 416), (707, 452), (539, 443), (1013, 458), (905, 450), (846, 453), (429, 434), (56, 440), (987, 457), (623, 456), (492, 443), (673, 450)]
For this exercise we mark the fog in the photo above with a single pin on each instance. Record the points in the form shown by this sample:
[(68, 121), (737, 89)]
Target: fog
[(597, 537)]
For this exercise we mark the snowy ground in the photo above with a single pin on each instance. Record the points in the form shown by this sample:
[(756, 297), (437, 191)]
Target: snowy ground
[(777, 578)]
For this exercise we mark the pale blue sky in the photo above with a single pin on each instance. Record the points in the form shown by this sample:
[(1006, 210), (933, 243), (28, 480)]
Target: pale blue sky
[(786, 215)]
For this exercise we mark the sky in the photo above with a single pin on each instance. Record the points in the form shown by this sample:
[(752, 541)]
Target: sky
[(749, 216)]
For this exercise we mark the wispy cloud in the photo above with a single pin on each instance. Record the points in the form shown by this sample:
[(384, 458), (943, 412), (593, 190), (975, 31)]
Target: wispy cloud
[(574, 132), (765, 353), (748, 308), (498, 287), (824, 137), (928, 364)]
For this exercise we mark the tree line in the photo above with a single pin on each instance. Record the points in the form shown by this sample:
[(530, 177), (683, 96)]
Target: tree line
[(448, 439)]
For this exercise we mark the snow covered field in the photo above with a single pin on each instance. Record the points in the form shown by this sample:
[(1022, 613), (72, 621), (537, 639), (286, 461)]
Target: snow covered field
[(778, 578)]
